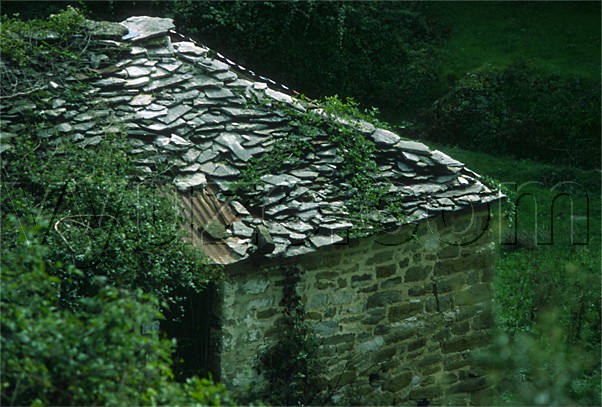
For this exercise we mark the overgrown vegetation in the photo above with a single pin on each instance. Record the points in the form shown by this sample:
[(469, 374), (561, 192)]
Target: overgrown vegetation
[(291, 365), (547, 283), (337, 123), (519, 113), (35, 52), (92, 260), (96, 355), (401, 57)]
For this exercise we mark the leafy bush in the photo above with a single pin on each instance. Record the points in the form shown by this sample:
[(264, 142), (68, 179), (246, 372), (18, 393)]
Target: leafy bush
[(36, 49), (538, 369), (291, 365), (96, 355), (283, 40), (517, 112), (549, 310), (102, 222)]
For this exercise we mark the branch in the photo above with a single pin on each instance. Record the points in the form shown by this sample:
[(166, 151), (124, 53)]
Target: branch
[(24, 93)]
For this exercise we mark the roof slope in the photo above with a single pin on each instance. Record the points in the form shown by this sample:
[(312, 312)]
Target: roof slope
[(202, 120)]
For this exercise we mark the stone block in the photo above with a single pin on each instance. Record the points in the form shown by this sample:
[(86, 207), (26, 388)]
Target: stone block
[(260, 303), (344, 347), (381, 257), (317, 300), (417, 291), (316, 316), (487, 274), (451, 283), (341, 297), (374, 316), (398, 382), (417, 273), (403, 311), (400, 331), (445, 302), (370, 289), (449, 251), (430, 305), (483, 320), (403, 263), (455, 362), (267, 313), (327, 275), (392, 282), (338, 339), (386, 271), (326, 328), (321, 285), (382, 329), (380, 299), (465, 342), (384, 355), (425, 392), (468, 385), (255, 286), (371, 345), (360, 280), (429, 360), (460, 328)]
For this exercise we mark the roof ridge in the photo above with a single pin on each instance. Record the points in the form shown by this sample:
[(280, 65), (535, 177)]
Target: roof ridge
[(241, 69)]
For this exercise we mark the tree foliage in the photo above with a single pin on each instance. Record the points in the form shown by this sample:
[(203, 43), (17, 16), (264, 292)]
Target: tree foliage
[(96, 355), (515, 111), (91, 254), (379, 53), (101, 220)]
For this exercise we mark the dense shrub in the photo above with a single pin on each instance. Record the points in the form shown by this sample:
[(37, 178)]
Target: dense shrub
[(102, 222), (516, 111), (549, 313), (326, 48), (97, 355)]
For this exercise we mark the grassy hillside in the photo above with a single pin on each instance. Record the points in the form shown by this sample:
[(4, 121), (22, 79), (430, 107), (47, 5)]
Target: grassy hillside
[(554, 37)]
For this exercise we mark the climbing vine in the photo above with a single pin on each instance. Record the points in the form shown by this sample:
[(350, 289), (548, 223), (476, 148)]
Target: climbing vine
[(339, 123), (291, 366)]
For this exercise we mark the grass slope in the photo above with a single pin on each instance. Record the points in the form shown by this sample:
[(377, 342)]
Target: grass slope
[(553, 37)]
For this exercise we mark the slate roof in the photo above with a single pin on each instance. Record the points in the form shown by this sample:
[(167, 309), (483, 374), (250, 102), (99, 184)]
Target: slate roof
[(192, 110)]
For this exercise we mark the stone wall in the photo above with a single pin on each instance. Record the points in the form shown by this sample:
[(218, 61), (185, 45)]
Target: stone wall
[(397, 317)]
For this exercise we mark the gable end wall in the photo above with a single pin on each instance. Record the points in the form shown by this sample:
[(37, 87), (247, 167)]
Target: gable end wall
[(397, 318)]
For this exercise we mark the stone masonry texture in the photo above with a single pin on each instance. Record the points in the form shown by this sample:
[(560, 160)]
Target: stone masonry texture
[(397, 318)]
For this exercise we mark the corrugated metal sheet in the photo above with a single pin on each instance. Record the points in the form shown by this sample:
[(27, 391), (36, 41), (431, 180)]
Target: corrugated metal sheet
[(201, 209)]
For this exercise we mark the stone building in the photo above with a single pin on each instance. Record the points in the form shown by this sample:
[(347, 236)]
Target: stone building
[(397, 288)]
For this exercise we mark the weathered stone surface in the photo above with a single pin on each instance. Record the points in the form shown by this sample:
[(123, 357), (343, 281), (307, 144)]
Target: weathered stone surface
[(186, 47), (385, 137), (142, 27), (326, 328), (185, 183), (174, 113), (398, 382), (416, 273), (105, 30), (371, 345), (383, 298), (142, 100), (403, 311), (218, 93)]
